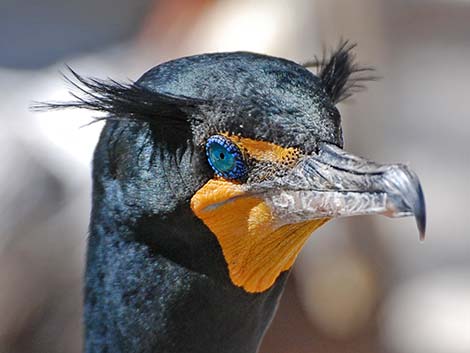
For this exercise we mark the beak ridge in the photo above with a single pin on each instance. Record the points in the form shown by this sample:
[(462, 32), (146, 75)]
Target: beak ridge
[(335, 183)]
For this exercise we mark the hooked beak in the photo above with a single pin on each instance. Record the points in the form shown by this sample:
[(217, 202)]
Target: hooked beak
[(334, 183)]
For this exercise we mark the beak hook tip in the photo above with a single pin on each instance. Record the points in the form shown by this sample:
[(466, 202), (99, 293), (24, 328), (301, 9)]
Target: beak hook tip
[(420, 215)]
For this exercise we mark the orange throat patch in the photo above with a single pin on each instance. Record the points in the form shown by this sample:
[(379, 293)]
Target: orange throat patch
[(256, 249)]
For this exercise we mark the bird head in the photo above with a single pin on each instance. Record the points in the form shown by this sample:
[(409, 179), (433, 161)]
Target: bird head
[(265, 166)]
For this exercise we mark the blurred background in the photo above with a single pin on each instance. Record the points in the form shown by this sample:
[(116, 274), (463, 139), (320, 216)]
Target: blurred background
[(361, 285)]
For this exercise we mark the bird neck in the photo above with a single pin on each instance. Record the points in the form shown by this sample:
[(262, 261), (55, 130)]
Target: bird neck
[(156, 279)]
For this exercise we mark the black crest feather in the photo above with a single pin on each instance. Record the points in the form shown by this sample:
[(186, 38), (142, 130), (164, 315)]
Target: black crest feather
[(121, 101), (341, 75)]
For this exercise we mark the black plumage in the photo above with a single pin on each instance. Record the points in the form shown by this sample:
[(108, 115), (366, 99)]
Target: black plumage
[(156, 277)]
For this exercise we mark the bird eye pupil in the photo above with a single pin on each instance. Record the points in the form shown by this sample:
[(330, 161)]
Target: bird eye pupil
[(225, 157)]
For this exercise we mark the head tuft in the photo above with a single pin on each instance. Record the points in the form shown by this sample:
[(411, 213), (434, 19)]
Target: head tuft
[(125, 101), (339, 72)]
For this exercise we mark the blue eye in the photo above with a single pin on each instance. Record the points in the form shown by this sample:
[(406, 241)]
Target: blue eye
[(225, 158)]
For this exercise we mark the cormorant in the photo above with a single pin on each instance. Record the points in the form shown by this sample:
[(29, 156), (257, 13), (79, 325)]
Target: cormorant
[(210, 174)]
